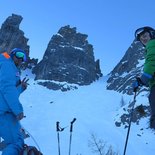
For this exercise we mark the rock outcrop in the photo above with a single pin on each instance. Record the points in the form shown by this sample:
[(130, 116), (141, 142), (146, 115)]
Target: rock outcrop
[(11, 36), (126, 71), (70, 58)]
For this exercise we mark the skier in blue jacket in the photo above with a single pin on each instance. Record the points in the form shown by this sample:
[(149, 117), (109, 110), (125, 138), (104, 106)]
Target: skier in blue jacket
[(11, 110)]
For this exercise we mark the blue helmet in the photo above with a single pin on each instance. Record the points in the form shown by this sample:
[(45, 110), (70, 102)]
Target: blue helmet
[(19, 54)]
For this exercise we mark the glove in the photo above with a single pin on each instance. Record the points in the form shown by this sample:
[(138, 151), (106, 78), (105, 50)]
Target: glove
[(140, 81), (145, 78), (136, 84), (20, 116), (24, 83)]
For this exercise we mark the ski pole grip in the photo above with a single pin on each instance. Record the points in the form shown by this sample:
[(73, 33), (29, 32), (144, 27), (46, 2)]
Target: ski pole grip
[(57, 126), (71, 127), (73, 120)]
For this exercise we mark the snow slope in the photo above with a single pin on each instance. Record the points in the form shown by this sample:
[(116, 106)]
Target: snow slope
[(95, 109)]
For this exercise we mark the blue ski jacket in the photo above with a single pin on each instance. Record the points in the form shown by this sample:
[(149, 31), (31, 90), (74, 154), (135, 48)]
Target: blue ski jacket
[(10, 86)]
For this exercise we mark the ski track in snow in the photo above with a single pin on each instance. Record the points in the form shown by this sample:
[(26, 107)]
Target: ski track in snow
[(95, 109)]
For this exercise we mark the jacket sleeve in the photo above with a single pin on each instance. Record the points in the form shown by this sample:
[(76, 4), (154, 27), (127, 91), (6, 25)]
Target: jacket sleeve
[(149, 65), (20, 89), (8, 87)]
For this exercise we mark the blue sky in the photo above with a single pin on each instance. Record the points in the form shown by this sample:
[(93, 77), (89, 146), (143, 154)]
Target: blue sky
[(109, 24)]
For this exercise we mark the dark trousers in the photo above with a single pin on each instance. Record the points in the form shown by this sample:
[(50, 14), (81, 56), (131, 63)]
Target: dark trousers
[(152, 101)]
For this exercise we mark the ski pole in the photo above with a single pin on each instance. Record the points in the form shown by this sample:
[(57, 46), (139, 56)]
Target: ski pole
[(130, 120), (58, 129), (71, 130)]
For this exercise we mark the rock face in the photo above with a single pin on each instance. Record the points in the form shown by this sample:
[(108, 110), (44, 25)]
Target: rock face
[(70, 58), (121, 79), (11, 36), (130, 66), (138, 113)]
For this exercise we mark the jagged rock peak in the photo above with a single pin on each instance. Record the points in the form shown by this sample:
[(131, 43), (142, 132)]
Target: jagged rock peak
[(125, 72), (12, 22), (11, 36), (71, 36), (70, 58)]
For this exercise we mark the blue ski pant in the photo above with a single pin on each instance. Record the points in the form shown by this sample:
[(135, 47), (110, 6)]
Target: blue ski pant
[(10, 131)]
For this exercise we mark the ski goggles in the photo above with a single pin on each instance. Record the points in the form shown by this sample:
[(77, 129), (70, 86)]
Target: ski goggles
[(20, 55)]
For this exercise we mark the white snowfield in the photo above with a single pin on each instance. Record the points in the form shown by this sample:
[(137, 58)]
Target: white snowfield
[(95, 108)]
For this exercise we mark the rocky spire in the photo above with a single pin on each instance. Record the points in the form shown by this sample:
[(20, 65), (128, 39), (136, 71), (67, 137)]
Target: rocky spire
[(11, 36), (69, 57)]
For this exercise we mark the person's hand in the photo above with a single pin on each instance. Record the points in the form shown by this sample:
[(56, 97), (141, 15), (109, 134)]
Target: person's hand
[(24, 83), (136, 84), (143, 80), (20, 116)]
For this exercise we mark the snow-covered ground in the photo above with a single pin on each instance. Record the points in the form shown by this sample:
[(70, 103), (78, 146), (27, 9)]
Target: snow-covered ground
[(95, 109)]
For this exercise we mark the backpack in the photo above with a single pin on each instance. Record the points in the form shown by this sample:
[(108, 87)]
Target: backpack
[(30, 150)]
